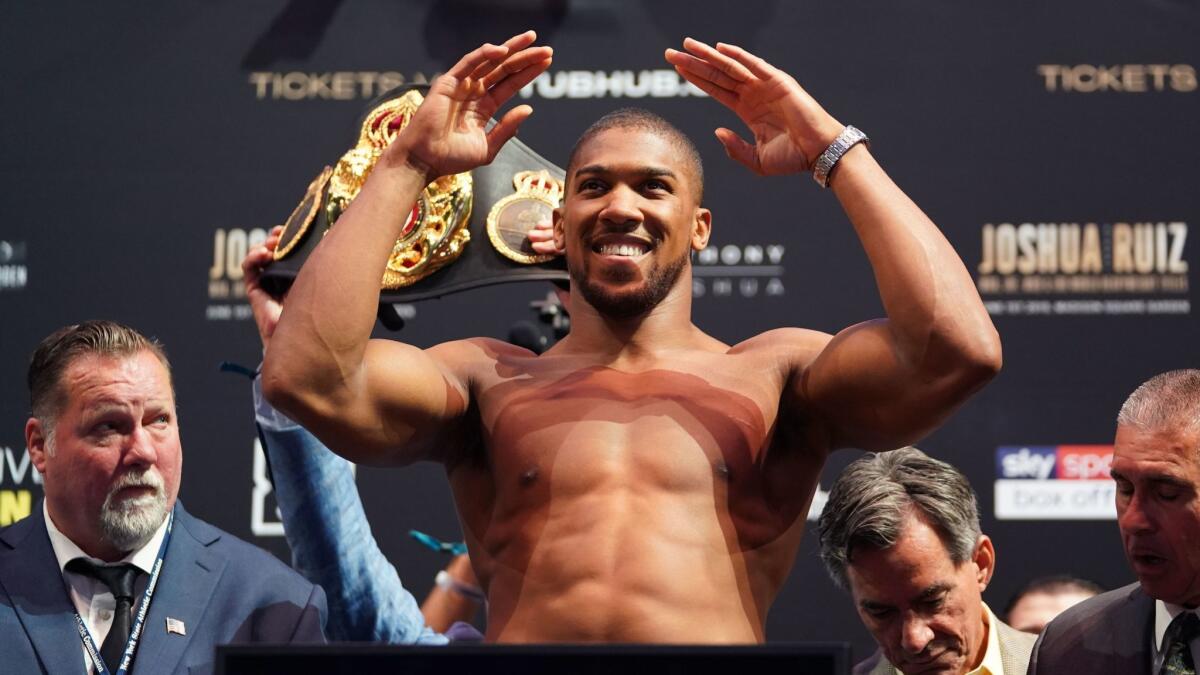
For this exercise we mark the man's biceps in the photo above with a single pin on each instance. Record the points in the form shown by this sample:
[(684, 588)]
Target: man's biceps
[(852, 373)]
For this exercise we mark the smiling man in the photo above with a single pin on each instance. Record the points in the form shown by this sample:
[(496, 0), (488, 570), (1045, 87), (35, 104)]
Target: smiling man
[(641, 481), (1150, 626), (111, 569), (901, 532)]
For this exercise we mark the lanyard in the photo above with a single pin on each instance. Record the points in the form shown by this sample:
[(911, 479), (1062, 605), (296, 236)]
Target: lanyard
[(135, 632)]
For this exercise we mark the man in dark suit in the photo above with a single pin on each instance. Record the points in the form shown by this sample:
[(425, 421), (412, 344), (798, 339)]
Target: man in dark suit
[(1150, 626), (110, 540), (901, 532)]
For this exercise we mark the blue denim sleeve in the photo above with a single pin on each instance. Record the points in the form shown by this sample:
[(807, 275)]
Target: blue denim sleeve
[(331, 541)]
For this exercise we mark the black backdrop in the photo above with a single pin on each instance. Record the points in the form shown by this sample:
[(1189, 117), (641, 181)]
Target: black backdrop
[(143, 145)]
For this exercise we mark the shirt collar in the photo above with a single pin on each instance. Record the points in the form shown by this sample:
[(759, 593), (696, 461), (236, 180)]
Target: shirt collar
[(66, 550), (1164, 613), (992, 663)]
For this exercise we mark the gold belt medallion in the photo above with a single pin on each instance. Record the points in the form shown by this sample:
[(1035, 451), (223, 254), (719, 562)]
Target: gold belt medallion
[(510, 220), (435, 231)]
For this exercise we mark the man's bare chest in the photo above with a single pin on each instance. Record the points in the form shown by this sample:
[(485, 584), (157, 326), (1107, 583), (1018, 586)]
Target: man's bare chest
[(704, 432), (733, 413)]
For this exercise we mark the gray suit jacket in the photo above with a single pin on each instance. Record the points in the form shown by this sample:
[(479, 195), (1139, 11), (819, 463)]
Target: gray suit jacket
[(1014, 654), (1110, 633), (221, 588)]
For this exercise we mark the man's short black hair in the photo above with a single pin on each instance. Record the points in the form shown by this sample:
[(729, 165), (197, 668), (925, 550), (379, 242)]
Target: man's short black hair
[(644, 120), (1057, 584)]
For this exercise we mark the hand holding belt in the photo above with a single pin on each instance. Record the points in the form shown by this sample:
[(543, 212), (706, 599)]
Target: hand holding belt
[(465, 231)]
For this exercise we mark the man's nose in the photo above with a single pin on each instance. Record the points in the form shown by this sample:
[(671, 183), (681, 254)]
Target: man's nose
[(621, 207), (915, 634), (1135, 517), (140, 447)]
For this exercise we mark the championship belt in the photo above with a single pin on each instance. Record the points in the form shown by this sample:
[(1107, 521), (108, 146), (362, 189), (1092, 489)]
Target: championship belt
[(464, 231)]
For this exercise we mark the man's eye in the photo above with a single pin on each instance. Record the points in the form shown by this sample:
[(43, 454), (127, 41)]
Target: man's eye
[(657, 185), (878, 612), (590, 184)]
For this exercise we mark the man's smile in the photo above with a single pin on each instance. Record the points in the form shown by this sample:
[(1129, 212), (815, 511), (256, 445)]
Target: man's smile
[(621, 246)]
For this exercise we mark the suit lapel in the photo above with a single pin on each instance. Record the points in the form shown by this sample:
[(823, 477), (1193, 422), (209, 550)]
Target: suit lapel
[(185, 589), (1130, 646), (1121, 636), (1015, 647), (30, 576)]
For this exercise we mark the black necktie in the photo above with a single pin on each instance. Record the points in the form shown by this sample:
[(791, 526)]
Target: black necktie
[(119, 579), (1177, 650)]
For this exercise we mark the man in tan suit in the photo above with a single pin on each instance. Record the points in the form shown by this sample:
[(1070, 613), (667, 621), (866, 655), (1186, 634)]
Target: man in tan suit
[(901, 532)]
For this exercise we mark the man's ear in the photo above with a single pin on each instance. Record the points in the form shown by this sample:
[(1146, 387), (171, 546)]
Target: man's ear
[(35, 441), (560, 235), (985, 561), (701, 229)]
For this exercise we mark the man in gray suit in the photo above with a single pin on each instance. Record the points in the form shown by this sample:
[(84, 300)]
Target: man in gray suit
[(1149, 626), (901, 532)]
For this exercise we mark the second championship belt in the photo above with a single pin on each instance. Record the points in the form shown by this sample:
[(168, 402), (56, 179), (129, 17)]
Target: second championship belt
[(464, 231)]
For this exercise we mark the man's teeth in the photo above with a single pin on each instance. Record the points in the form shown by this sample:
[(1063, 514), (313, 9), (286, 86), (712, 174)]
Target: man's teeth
[(630, 250)]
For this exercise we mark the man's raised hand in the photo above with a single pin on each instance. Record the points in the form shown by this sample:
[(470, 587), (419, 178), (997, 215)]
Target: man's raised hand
[(790, 129), (448, 135), (266, 307)]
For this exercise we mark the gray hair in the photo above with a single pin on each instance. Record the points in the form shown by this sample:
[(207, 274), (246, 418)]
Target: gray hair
[(1170, 400), (872, 501)]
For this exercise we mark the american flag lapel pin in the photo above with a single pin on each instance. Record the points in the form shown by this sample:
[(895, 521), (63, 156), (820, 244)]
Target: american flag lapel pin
[(176, 626)]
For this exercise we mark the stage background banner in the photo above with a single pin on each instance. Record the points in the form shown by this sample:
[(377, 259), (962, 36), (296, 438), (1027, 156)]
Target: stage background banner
[(145, 146)]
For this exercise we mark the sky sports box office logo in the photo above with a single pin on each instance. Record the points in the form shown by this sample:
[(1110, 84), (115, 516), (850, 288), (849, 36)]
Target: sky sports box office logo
[(1054, 482)]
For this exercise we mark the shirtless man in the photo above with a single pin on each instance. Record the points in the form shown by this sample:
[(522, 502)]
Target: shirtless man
[(641, 481)]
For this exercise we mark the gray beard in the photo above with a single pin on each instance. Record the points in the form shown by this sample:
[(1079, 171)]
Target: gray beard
[(628, 305), (129, 523)]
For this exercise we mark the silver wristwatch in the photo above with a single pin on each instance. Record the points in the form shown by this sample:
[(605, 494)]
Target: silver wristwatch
[(849, 138)]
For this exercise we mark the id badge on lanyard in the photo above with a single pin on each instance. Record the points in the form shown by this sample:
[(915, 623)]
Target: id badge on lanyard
[(139, 622)]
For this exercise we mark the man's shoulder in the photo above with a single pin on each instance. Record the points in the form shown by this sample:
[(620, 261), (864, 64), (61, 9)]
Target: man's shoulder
[(13, 534), (1012, 636), (1016, 647), (468, 355), (875, 664), (800, 341), (245, 561), (1109, 633), (1101, 608)]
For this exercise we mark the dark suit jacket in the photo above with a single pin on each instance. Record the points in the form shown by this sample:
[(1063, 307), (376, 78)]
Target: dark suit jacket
[(1110, 633), (1014, 654), (222, 588)]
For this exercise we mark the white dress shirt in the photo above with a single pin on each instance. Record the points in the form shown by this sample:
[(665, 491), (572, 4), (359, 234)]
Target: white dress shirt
[(1164, 613), (91, 597)]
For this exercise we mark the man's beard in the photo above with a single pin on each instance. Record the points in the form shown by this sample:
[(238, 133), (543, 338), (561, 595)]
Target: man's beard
[(129, 523), (659, 282)]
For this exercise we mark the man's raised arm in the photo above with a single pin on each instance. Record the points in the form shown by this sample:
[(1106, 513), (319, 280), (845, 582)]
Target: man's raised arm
[(381, 400), (879, 384)]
